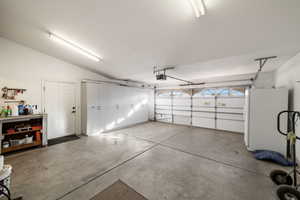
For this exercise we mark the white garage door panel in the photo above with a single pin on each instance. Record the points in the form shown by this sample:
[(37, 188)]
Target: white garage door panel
[(182, 101), (164, 118), (182, 120), (216, 112), (230, 125), (235, 102), (163, 101), (209, 102), (203, 114), (210, 109), (203, 122), (168, 112), (187, 108), (230, 110), (230, 116), (163, 107), (184, 113)]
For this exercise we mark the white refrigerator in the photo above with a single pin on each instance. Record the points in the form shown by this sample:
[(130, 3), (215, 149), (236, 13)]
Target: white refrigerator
[(261, 109)]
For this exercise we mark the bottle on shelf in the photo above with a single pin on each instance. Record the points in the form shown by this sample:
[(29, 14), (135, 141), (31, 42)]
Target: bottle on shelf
[(9, 111), (15, 110), (21, 108)]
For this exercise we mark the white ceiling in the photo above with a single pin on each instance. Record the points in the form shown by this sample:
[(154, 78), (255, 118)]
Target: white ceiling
[(134, 35)]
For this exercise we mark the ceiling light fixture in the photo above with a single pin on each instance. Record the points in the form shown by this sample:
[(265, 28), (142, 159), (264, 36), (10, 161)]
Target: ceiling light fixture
[(198, 7), (75, 47)]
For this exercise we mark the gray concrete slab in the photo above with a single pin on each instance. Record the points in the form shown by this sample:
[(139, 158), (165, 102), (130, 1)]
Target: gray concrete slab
[(221, 146), (153, 131), (164, 173), (161, 161), (49, 173)]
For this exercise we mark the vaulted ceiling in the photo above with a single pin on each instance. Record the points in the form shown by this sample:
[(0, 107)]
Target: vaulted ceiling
[(134, 35)]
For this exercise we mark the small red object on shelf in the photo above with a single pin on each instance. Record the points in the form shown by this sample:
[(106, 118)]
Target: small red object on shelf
[(38, 136), (36, 128), (11, 131)]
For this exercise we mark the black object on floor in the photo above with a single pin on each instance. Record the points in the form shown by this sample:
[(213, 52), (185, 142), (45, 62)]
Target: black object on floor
[(62, 139), (4, 191)]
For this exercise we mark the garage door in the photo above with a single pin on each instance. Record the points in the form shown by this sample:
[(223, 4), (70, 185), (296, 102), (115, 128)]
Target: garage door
[(215, 108), (182, 107), (163, 106)]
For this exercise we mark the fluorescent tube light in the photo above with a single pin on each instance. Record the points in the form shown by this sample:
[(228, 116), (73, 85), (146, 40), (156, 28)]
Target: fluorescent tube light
[(198, 7), (75, 47)]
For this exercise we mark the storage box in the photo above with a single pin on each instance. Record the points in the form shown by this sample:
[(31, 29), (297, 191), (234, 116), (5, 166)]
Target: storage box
[(17, 142), (29, 140)]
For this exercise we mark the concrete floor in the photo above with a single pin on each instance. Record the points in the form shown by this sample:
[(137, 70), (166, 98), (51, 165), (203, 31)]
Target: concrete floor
[(160, 161)]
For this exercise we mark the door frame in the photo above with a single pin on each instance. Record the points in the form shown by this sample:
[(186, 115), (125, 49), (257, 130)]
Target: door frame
[(43, 100)]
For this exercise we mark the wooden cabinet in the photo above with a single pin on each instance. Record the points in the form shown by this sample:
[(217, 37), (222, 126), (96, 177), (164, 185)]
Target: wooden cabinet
[(22, 132)]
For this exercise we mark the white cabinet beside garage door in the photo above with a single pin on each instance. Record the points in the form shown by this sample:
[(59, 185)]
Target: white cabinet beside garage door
[(109, 106)]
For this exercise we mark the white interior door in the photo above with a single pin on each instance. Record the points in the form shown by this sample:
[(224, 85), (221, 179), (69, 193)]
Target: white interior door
[(60, 105)]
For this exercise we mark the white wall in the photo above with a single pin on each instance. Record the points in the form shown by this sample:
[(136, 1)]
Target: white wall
[(265, 80), (287, 76), (22, 67)]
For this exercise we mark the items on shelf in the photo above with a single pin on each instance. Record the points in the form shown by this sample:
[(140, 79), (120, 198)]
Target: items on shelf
[(14, 110), (11, 93), (10, 106), (21, 134)]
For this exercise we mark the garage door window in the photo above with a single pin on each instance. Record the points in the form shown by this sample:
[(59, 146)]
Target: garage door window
[(164, 94), (180, 94), (222, 92), (237, 92), (209, 92)]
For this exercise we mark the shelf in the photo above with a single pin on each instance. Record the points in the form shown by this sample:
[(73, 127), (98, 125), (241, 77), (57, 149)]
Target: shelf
[(30, 131), (19, 147)]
